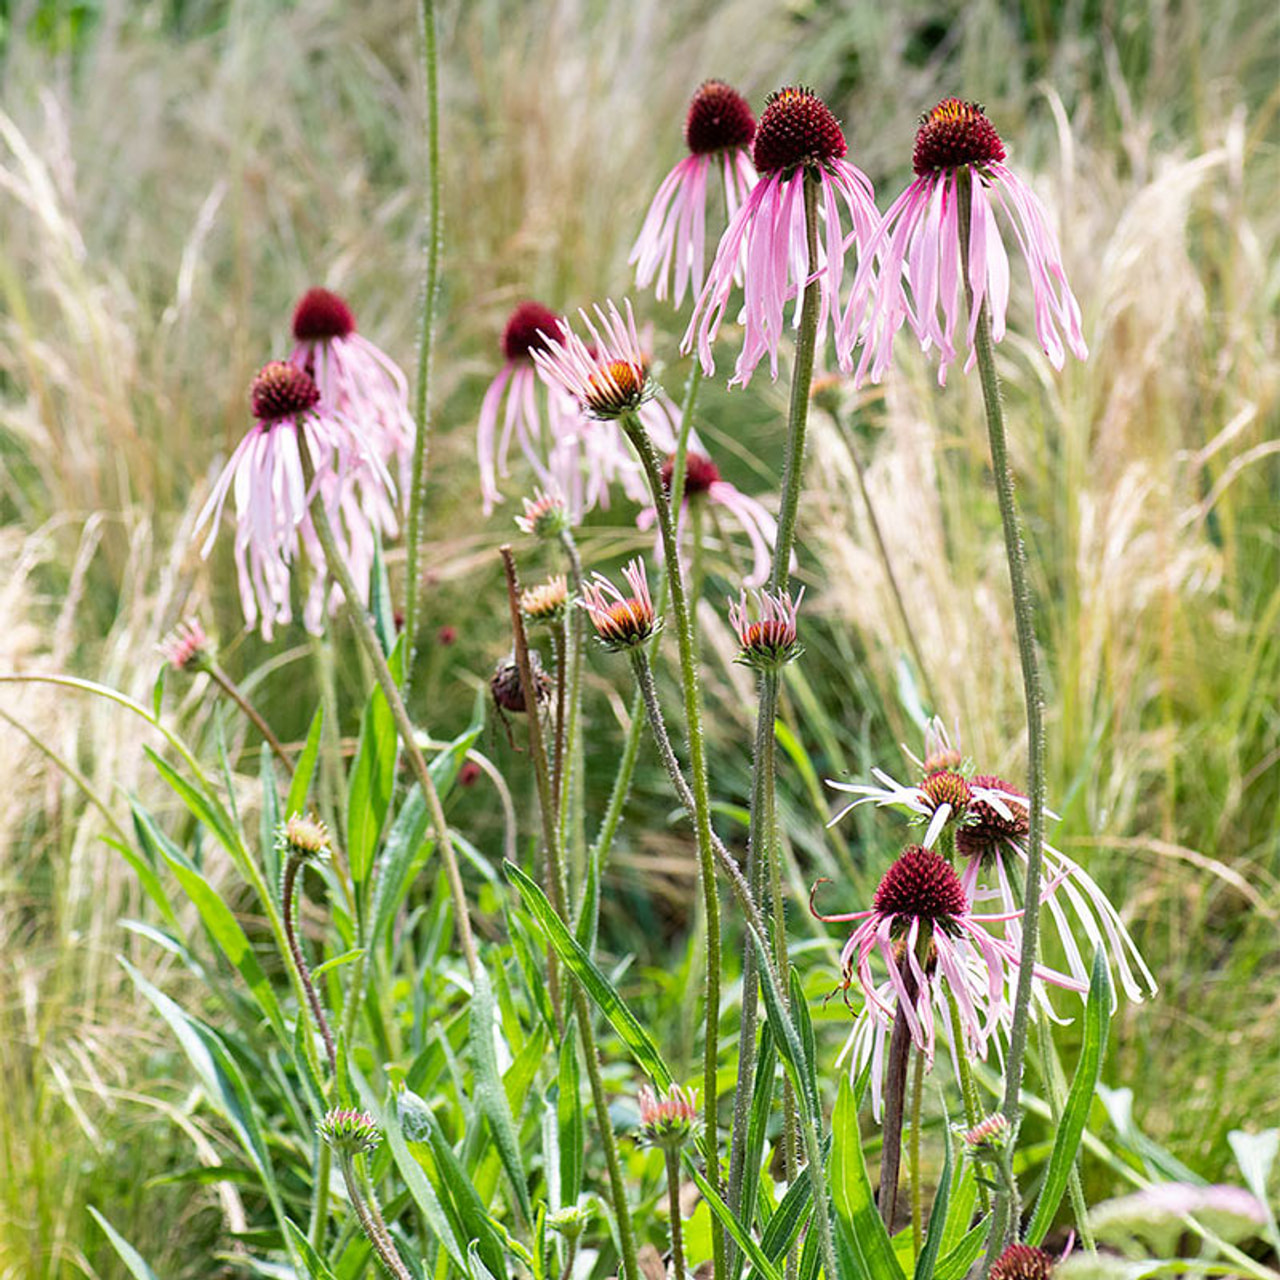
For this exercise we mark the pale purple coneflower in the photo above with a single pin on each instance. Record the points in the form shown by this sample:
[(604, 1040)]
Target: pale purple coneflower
[(702, 483), (919, 240), (271, 495), (668, 1119), (772, 638), (357, 380), (798, 140), (621, 621), (718, 132), (609, 376), (918, 892), (515, 400)]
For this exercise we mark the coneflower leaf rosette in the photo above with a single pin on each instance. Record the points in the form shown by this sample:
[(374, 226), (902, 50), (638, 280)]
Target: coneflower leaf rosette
[(797, 140)]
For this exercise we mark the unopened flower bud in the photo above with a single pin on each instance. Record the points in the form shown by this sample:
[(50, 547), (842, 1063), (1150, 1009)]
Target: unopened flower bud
[(669, 1120), (303, 839), (545, 516), (571, 1221), (186, 647), (547, 601), (349, 1132)]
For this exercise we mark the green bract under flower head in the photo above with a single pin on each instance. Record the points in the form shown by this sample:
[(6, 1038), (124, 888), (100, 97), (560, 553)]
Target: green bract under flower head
[(668, 1120), (349, 1132)]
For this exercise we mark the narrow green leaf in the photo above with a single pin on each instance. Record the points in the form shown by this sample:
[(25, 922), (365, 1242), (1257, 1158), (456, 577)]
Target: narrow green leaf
[(804, 1025), (791, 1214), (225, 930), (333, 962), (569, 1117), (491, 1098), (204, 807), (597, 986), (851, 1190), (380, 610), (147, 878), (1097, 1017), (955, 1264), (128, 1254), (305, 767), (937, 1217), (742, 1238), (419, 1185), (316, 1266), (788, 1039), (269, 820), (811, 1258), (757, 1126), (372, 779)]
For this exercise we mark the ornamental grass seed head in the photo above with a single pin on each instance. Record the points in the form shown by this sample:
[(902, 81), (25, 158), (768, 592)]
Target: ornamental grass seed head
[(718, 131), (668, 1120), (798, 140), (772, 639), (621, 621), (912, 268)]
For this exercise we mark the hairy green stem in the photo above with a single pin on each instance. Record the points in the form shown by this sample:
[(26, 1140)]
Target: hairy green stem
[(673, 1201), (1007, 1211), (319, 1224), (968, 1086), (553, 849), (431, 282), (559, 647), (250, 712), (917, 1193), (400, 716), (701, 808), (288, 892), (569, 794), (373, 1227)]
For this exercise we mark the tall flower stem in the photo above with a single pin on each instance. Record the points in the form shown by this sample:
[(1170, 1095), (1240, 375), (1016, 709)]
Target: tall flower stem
[(570, 790), (553, 848), (431, 282), (559, 896), (250, 712), (1007, 1208), (631, 748), (400, 716), (373, 1227), (559, 645), (673, 1201), (968, 1086), (649, 695), (288, 892), (763, 849), (917, 1196), (701, 807)]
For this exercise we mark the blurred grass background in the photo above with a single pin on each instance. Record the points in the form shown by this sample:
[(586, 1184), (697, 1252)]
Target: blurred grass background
[(173, 174)]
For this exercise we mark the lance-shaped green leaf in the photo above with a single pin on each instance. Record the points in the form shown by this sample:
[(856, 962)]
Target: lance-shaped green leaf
[(596, 985), (741, 1237), (317, 1268), (131, 1258), (928, 1258), (570, 1121), (851, 1190), (304, 769), (373, 774), (1097, 1018)]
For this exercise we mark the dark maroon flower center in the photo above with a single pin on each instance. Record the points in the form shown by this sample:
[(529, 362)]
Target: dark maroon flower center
[(281, 390), (700, 473), (718, 119), (955, 133), (520, 337), (1022, 1262), (990, 828), (921, 885), (321, 314), (796, 128)]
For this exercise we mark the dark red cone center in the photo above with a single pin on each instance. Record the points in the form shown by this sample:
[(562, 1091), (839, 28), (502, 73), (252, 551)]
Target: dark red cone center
[(991, 828), (1022, 1262), (520, 337), (718, 119), (700, 473), (797, 127), (321, 314), (281, 390), (955, 133), (921, 885)]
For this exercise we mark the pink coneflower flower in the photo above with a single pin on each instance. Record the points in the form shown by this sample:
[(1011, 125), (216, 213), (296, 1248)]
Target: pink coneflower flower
[(356, 380), (921, 892), (702, 483), (608, 377), (545, 515), (718, 132), (771, 640), (798, 139), (186, 647), (271, 496), (670, 1119), (920, 235), (987, 1135), (525, 394), (621, 621), (997, 827)]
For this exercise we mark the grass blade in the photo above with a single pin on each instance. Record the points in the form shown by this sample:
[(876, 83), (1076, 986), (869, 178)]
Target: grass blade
[(131, 1258), (304, 770)]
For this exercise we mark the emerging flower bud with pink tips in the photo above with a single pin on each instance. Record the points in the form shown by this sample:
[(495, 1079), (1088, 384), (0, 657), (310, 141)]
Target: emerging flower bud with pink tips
[(547, 601), (670, 1119), (350, 1132), (609, 376), (621, 622), (771, 640), (186, 647), (988, 1136), (545, 515)]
